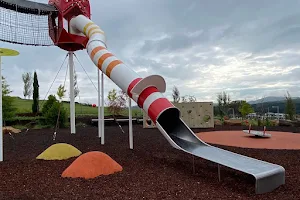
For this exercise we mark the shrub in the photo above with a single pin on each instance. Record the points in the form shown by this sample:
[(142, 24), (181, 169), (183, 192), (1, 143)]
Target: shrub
[(7, 102), (267, 122), (8, 109), (245, 123), (259, 122), (116, 103), (51, 109), (28, 114), (48, 104), (51, 115)]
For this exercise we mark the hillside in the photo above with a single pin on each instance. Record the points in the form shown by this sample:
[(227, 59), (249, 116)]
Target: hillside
[(270, 99), (24, 106)]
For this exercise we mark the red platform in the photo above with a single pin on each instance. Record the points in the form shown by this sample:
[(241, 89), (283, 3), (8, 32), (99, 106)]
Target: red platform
[(279, 140)]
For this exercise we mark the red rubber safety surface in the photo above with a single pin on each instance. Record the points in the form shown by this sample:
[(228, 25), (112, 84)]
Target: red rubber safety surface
[(278, 140)]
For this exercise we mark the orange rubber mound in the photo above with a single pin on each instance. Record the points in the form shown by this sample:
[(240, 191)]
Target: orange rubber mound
[(278, 140), (91, 165)]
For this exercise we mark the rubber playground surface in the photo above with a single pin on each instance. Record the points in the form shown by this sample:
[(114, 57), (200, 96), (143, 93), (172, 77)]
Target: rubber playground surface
[(278, 140), (153, 170)]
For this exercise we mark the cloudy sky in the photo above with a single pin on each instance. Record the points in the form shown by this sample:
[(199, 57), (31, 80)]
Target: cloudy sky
[(250, 49)]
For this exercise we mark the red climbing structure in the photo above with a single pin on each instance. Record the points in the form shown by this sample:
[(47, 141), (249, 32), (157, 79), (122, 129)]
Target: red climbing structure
[(59, 33)]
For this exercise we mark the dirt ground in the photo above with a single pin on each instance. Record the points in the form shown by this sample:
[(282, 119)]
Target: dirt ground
[(153, 170)]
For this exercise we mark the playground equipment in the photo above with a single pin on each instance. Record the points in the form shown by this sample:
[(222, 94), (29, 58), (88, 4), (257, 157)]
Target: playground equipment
[(194, 114), (257, 133), (59, 151), (3, 52), (147, 92)]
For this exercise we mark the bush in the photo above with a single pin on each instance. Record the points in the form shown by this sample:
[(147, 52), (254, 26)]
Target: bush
[(259, 122), (52, 115), (267, 122), (8, 109), (50, 111), (116, 102), (48, 104), (28, 114), (7, 102)]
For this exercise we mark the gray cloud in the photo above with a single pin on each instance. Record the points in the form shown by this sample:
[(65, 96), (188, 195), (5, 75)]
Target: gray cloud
[(250, 49)]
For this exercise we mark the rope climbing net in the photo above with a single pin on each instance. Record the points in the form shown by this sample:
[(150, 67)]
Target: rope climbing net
[(25, 22)]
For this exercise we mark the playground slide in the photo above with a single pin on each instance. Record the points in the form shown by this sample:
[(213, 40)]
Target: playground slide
[(147, 93)]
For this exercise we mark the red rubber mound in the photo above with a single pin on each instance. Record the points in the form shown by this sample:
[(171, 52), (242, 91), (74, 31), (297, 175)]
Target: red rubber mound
[(91, 165)]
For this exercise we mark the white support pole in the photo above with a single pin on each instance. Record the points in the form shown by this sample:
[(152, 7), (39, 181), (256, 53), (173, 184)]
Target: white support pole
[(130, 126), (72, 98), (99, 106), (1, 116), (102, 108)]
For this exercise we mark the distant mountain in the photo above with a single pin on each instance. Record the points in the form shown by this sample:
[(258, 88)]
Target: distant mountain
[(269, 99)]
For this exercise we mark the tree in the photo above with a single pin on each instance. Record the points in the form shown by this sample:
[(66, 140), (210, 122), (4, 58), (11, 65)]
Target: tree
[(184, 99), (27, 80), (188, 98), (245, 109), (61, 112), (290, 108), (35, 105), (61, 92), (223, 103), (176, 95), (116, 102), (192, 98), (5, 87), (8, 110), (234, 107)]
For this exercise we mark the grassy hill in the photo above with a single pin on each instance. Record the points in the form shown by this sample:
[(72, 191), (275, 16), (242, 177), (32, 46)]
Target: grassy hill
[(24, 106)]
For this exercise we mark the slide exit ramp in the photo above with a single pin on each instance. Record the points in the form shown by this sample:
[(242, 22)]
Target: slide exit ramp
[(147, 92), (268, 176)]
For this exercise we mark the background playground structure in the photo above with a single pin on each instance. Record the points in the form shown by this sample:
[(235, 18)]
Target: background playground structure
[(195, 114)]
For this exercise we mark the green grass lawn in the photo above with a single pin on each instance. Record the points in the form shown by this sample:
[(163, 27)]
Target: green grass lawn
[(24, 106)]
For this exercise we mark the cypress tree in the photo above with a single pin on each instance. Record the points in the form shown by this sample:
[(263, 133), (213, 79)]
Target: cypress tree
[(35, 104)]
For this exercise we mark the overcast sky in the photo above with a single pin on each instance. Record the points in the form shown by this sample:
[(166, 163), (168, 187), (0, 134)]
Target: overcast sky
[(250, 49)]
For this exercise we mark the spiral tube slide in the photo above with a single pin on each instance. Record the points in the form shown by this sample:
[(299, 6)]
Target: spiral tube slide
[(147, 93)]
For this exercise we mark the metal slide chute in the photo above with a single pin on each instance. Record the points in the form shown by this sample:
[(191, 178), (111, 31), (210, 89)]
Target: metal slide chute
[(148, 96), (268, 176)]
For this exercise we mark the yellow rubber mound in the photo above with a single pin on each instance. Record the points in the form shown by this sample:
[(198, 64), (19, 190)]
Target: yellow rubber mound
[(60, 151), (91, 165)]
